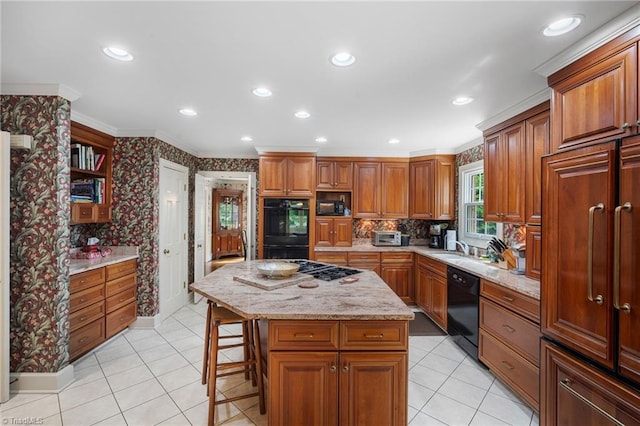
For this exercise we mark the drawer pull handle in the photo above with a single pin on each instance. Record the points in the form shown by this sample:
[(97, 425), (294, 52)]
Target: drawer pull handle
[(83, 319), (83, 281), (303, 335), (333, 368), (122, 299), (506, 364), (84, 339), (508, 299), (123, 319), (566, 384), (508, 328), (374, 336), (82, 299)]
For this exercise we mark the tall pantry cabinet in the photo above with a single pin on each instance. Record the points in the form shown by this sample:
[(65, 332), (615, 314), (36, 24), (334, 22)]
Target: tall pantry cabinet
[(590, 294)]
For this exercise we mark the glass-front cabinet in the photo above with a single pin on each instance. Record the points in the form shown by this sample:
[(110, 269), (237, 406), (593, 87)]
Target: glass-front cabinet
[(227, 222)]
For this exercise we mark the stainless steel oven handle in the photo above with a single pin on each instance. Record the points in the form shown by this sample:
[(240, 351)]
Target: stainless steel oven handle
[(598, 299), (566, 383)]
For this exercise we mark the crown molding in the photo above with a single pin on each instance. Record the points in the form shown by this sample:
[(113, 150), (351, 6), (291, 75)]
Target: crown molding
[(266, 149), (40, 89), (431, 151), (612, 29), (522, 106), (93, 123)]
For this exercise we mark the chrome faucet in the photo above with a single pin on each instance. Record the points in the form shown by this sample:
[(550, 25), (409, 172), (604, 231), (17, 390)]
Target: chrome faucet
[(464, 246)]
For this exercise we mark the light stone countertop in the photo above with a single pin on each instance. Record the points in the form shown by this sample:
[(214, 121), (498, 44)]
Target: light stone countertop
[(118, 254), (369, 298), (485, 270)]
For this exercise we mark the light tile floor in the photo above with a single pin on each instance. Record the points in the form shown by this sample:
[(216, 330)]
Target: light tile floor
[(149, 377)]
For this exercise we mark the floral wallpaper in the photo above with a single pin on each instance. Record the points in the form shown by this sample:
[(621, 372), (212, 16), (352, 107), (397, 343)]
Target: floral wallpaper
[(39, 249)]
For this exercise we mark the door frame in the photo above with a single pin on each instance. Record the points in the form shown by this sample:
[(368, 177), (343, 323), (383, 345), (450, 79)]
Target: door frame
[(184, 218), (5, 155), (199, 224)]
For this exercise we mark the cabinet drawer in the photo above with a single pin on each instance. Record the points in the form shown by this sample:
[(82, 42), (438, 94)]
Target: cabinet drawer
[(83, 298), (123, 298), (364, 256), (307, 335), (86, 279), (524, 305), (436, 266), (397, 257), (120, 269), (517, 372), (121, 284), (120, 319), (86, 338), (335, 257), (102, 213), (374, 335), (520, 334), (86, 315), (82, 213)]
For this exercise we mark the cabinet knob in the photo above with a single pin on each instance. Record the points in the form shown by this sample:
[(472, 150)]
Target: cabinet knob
[(166, 251), (625, 126), (333, 368), (638, 123)]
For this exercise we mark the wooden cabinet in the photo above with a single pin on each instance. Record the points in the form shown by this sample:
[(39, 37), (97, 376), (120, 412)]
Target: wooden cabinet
[(227, 222), (509, 339), (314, 380), (431, 289), (334, 174), (381, 189), (578, 394), (90, 175), (432, 187), (365, 260), (396, 270), (537, 144), (596, 98), (102, 302), (333, 232), (287, 175), (335, 257), (533, 264)]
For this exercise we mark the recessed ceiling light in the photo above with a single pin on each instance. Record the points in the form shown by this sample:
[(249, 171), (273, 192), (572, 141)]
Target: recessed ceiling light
[(262, 92), (343, 59), (189, 112), (321, 139), (118, 54), (302, 114), (562, 26), (394, 141), (462, 100), (246, 139)]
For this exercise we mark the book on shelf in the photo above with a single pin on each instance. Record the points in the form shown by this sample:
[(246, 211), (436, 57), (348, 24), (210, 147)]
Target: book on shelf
[(99, 161), (75, 155)]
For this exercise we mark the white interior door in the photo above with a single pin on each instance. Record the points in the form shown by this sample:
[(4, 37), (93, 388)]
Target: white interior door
[(173, 223), (199, 226), (4, 266)]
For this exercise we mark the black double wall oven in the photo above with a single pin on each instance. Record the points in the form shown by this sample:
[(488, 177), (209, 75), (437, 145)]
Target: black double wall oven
[(286, 228)]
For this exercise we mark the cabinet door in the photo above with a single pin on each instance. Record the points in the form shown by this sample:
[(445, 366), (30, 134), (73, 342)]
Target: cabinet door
[(395, 190), (444, 188), (301, 181), (574, 393), (595, 103), (537, 143), (513, 172), (629, 267), (272, 172), (303, 388), (342, 232), (421, 188), (343, 175), (325, 174), (533, 262), (422, 296), (438, 289), (398, 278), (324, 232), (373, 388), (493, 184), (366, 190), (574, 183)]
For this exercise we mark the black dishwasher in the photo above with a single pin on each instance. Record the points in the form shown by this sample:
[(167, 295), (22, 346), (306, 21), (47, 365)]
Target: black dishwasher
[(463, 295)]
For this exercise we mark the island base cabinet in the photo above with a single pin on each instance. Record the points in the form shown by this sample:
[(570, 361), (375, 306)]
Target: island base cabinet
[(360, 388)]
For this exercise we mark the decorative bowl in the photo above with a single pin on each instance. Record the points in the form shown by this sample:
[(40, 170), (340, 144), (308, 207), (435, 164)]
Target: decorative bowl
[(277, 269)]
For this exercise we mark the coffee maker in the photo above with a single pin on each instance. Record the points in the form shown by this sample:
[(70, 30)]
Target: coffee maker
[(435, 237)]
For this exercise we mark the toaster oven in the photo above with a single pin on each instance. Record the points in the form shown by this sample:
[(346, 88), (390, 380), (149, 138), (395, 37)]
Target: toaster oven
[(386, 238)]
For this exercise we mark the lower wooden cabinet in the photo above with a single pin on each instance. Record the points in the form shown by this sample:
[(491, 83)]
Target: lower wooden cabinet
[(333, 232), (396, 269), (362, 381), (575, 393), (431, 289), (365, 260)]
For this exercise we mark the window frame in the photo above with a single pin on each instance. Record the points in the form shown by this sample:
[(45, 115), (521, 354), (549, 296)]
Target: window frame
[(473, 239)]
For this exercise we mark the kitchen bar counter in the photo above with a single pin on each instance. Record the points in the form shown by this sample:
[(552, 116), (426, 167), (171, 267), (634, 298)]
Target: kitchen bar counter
[(118, 254), (369, 298), (476, 266)]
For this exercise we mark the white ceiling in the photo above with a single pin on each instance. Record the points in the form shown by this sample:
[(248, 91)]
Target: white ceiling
[(413, 58)]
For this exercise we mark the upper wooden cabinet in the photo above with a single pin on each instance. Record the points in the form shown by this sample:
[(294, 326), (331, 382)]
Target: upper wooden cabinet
[(334, 175), (91, 155), (288, 175), (432, 187), (537, 143), (333, 231), (596, 97), (381, 189)]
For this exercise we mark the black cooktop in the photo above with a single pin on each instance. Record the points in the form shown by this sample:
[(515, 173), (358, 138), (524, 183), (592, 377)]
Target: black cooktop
[(323, 271)]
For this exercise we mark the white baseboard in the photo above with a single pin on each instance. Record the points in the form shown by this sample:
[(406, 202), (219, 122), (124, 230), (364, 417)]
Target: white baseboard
[(41, 382), (146, 323)]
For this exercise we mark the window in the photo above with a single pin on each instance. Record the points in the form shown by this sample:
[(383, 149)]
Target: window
[(473, 229)]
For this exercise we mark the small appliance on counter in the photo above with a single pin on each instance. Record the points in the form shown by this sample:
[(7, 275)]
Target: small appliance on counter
[(330, 208), (519, 252), (386, 238), (450, 240), (436, 239)]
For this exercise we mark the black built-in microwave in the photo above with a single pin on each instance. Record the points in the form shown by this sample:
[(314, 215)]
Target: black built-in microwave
[(329, 208)]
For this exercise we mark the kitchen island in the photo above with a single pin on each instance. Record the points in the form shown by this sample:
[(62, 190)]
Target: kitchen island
[(337, 353)]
